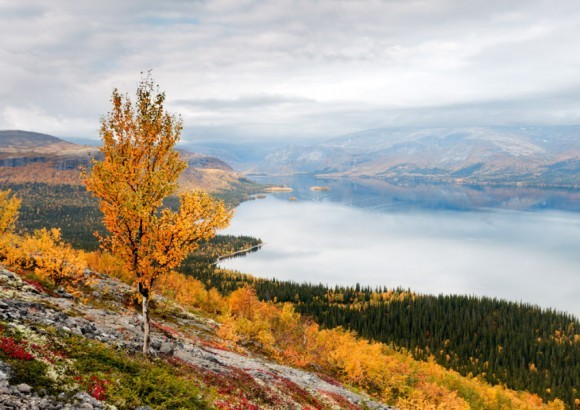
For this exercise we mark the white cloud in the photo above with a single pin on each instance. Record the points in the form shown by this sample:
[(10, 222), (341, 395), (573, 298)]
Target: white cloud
[(292, 68)]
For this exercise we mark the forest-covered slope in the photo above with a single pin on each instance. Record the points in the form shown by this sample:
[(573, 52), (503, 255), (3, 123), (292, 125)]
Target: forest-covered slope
[(522, 346)]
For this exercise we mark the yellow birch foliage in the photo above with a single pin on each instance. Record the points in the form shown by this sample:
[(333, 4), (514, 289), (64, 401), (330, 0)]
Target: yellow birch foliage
[(9, 207), (190, 292), (55, 259), (106, 263), (249, 319), (50, 257), (139, 170)]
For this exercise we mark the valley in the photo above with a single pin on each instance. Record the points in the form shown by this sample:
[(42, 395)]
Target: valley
[(501, 342)]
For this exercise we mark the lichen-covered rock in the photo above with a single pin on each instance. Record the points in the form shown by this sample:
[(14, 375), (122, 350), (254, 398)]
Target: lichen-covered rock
[(23, 305)]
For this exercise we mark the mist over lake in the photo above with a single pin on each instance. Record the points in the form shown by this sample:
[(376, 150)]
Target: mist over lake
[(511, 243)]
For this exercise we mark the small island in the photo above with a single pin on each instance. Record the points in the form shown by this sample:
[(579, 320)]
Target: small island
[(278, 189)]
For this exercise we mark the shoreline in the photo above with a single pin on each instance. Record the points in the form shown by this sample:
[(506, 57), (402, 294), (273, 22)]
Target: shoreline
[(240, 252)]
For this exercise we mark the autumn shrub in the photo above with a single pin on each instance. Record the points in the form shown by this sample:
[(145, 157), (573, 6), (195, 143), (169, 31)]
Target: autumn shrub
[(184, 289), (190, 292), (108, 264), (9, 208), (248, 320), (10, 253), (51, 258)]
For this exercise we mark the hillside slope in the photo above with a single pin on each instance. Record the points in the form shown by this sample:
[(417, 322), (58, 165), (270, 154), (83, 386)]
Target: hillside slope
[(185, 340), (57, 351), (501, 155), (28, 157)]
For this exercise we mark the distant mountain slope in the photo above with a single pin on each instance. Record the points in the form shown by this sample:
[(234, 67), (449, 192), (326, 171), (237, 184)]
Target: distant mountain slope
[(34, 157), (20, 140), (525, 155)]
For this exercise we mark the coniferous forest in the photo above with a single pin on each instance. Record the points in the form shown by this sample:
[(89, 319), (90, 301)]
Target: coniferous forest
[(519, 345)]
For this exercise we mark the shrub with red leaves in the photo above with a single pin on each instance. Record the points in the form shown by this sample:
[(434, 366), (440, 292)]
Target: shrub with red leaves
[(94, 386), (243, 404), (35, 285), (13, 349), (98, 388)]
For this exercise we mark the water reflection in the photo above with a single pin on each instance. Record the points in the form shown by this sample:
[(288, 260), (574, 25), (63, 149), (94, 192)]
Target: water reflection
[(456, 241), (383, 196)]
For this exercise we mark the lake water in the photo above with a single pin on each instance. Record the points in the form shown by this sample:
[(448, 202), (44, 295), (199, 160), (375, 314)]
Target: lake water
[(516, 244)]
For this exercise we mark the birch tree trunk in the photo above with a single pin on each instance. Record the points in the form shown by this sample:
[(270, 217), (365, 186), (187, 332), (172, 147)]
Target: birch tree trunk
[(146, 324)]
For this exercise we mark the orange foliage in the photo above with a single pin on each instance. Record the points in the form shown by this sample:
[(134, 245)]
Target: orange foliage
[(46, 253), (244, 303), (139, 170), (108, 264), (44, 250), (391, 376), (190, 292)]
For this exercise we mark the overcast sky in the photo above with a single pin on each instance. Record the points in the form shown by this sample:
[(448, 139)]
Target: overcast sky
[(293, 70)]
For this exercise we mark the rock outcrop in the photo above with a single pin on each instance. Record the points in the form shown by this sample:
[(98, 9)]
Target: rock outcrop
[(25, 305)]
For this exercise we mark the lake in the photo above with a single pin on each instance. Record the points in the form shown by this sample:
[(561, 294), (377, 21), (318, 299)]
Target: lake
[(511, 243)]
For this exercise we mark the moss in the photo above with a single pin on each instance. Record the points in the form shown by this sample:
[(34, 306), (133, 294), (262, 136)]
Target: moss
[(156, 386), (120, 378), (31, 372), (133, 380)]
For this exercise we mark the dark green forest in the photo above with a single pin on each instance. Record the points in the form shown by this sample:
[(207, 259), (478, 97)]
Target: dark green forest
[(68, 207), (75, 211), (519, 345)]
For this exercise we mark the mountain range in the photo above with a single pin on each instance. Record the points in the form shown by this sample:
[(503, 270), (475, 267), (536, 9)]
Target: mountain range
[(33, 157), (532, 156), (497, 155)]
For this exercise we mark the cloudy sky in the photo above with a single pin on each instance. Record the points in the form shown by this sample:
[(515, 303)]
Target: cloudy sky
[(293, 70)]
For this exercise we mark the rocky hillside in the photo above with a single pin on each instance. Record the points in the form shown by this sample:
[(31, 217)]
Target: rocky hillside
[(32, 157), (501, 155), (47, 337)]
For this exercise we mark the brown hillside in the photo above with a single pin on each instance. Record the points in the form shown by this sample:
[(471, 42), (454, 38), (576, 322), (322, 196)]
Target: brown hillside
[(28, 157)]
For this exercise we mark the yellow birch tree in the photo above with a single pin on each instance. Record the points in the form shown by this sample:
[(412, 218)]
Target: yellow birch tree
[(139, 169)]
